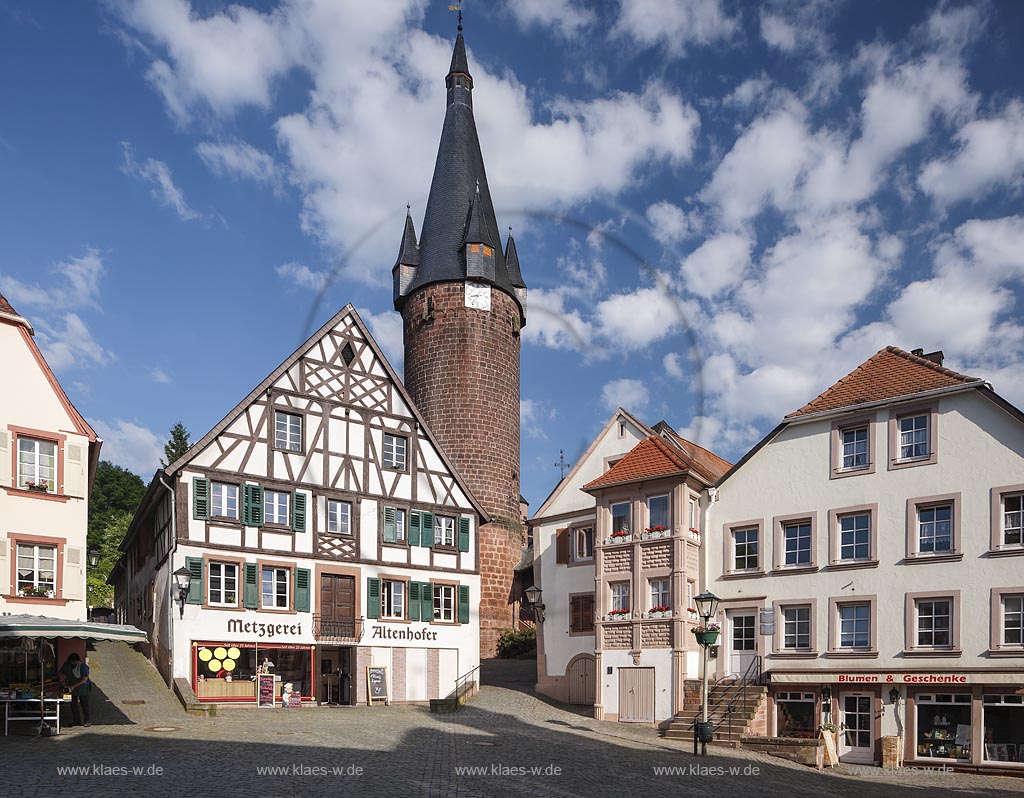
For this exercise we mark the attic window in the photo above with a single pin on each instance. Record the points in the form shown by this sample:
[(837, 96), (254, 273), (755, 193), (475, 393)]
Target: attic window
[(488, 251), (622, 430), (348, 354), (474, 247)]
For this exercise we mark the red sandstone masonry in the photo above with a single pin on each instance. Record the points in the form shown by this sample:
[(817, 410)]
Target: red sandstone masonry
[(433, 673), (362, 662), (462, 371), (398, 668)]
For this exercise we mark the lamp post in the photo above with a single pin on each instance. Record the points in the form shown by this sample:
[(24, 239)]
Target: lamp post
[(533, 595), (183, 580), (707, 607)]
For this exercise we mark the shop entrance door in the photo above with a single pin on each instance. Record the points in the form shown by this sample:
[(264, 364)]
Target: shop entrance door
[(856, 728), (335, 676), (742, 641)]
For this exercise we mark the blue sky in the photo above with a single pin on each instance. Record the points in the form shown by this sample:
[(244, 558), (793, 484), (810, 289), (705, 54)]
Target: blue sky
[(719, 207)]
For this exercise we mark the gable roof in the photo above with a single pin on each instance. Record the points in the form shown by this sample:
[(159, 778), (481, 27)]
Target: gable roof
[(650, 458), (890, 373), (704, 462), (260, 389), (5, 306), (568, 478)]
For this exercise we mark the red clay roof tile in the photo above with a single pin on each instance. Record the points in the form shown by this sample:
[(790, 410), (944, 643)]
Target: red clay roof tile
[(650, 458), (890, 373), (5, 306)]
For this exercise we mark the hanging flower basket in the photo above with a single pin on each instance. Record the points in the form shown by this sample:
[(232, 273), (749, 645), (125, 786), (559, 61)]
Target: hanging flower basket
[(707, 635)]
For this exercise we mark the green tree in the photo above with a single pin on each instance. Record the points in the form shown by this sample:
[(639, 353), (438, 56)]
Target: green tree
[(116, 524), (176, 445), (116, 493)]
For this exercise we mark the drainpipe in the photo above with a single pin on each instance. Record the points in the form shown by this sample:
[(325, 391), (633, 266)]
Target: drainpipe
[(705, 549), (170, 578)]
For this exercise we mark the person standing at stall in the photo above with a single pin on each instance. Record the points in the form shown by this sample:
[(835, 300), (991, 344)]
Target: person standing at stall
[(75, 675)]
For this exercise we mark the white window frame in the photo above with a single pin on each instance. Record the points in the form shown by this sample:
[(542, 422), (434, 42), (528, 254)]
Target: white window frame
[(668, 513), (444, 530), (628, 514), (392, 599), (856, 448), (1004, 624), (395, 451), (746, 531), (272, 507), (909, 440), (661, 591), (855, 633), (796, 622), (580, 535), (339, 517), (221, 581), (444, 603), (933, 526), (287, 431), (855, 531), (620, 596), (279, 576), (35, 583), (919, 618), (799, 549), (222, 494), (693, 514), (1012, 520), (33, 471)]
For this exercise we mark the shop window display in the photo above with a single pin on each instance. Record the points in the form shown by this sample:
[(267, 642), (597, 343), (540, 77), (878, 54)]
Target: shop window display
[(795, 714), (944, 726), (1004, 728), (227, 671)]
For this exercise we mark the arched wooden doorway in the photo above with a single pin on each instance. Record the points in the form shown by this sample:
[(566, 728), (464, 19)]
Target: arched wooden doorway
[(582, 676)]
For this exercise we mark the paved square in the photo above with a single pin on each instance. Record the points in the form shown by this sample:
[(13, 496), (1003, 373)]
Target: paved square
[(507, 742)]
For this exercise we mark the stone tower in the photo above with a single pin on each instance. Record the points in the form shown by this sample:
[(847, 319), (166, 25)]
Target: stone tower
[(463, 302)]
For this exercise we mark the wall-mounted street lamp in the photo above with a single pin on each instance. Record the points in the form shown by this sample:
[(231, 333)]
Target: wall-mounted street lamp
[(533, 595), (94, 557), (707, 608), (183, 580)]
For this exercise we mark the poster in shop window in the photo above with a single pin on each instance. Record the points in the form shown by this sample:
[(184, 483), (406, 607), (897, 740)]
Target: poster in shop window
[(377, 684), (265, 690)]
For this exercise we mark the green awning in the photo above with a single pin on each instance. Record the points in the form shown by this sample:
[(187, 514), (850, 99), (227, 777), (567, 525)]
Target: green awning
[(13, 626)]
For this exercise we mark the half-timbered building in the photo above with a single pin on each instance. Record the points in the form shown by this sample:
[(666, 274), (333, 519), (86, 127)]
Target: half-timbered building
[(324, 531)]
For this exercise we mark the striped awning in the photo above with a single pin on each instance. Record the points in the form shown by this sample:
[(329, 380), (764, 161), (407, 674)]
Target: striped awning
[(14, 626)]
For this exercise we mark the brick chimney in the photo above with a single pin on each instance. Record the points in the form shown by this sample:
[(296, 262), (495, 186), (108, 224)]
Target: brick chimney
[(935, 357)]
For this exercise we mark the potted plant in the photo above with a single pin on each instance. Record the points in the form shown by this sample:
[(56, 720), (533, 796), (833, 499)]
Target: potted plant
[(691, 613), (659, 611), (620, 536), (30, 591), (707, 634), (694, 532), (617, 615), (655, 531), (42, 486)]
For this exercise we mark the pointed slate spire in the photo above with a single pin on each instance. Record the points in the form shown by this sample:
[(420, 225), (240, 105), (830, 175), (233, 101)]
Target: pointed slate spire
[(404, 269), (459, 203), (515, 276)]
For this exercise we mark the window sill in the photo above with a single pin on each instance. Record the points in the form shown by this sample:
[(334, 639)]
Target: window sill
[(276, 528), (781, 570), (398, 544), (840, 473), (742, 574), (917, 461), (865, 654), (794, 655), (279, 610), (581, 634), (846, 565), (392, 620), (228, 607), (36, 600), (939, 652), (224, 520), (444, 549), (1000, 653), (955, 556), (1007, 551), (37, 494)]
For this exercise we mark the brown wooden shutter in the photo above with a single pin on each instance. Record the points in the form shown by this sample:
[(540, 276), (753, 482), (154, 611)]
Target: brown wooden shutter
[(561, 545), (586, 613), (575, 605)]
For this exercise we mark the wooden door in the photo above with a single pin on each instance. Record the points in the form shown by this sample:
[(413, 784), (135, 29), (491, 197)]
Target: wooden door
[(582, 676), (636, 695), (338, 604)]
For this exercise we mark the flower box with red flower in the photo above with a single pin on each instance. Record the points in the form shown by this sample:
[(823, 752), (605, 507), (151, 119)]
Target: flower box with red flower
[(617, 615), (659, 611), (655, 532), (622, 536)]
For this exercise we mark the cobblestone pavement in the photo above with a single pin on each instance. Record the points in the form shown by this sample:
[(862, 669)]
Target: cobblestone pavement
[(522, 745)]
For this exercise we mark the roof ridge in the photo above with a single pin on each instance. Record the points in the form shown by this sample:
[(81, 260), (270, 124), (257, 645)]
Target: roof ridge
[(923, 361)]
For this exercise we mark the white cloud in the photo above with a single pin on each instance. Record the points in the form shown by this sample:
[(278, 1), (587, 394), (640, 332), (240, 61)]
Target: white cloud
[(673, 366), (551, 324), (387, 330), (791, 26), (130, 445), (636, 319), (67, 342), (78, 288), (717, 264), (160, 376), (670, 224), (564, 16), (628, 394), (303, 276), (991, 155), (675, 25), (239, 159), (533, 414), (158, 174)]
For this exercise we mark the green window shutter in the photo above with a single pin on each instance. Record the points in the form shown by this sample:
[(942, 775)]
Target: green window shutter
[(427, 594), (251, 589), (463, 603), (302, 590), (464, 533), (299, 512), (372, 598), (413, 532), (252, 512), (414, 601), (200, 498), (195, 587), (390, 533), (427, 529)]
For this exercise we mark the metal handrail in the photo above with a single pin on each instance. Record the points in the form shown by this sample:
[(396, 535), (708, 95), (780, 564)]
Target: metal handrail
[(463, 680), (752, 677)]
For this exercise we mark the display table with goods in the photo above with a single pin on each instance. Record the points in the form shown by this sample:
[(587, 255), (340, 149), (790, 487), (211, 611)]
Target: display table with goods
[(20, 709)]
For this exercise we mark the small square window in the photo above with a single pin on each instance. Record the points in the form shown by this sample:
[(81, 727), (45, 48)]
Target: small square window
[(394, 451), (444, 531), (444, 603), (855, 448), (392, 599), (583, 543), (339, 517), (275, 584), (287, 431), (223, 584), (224, 500), (934, 623), (913, 443)]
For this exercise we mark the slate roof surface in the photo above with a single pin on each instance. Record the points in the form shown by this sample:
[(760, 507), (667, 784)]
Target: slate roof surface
[(409, 251), (888, 374)]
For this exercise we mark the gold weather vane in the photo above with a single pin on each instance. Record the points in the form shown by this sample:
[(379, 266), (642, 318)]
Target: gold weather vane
[(457, 7)]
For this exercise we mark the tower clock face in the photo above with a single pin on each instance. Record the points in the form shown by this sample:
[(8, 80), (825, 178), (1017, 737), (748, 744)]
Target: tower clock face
[(478, 295)]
